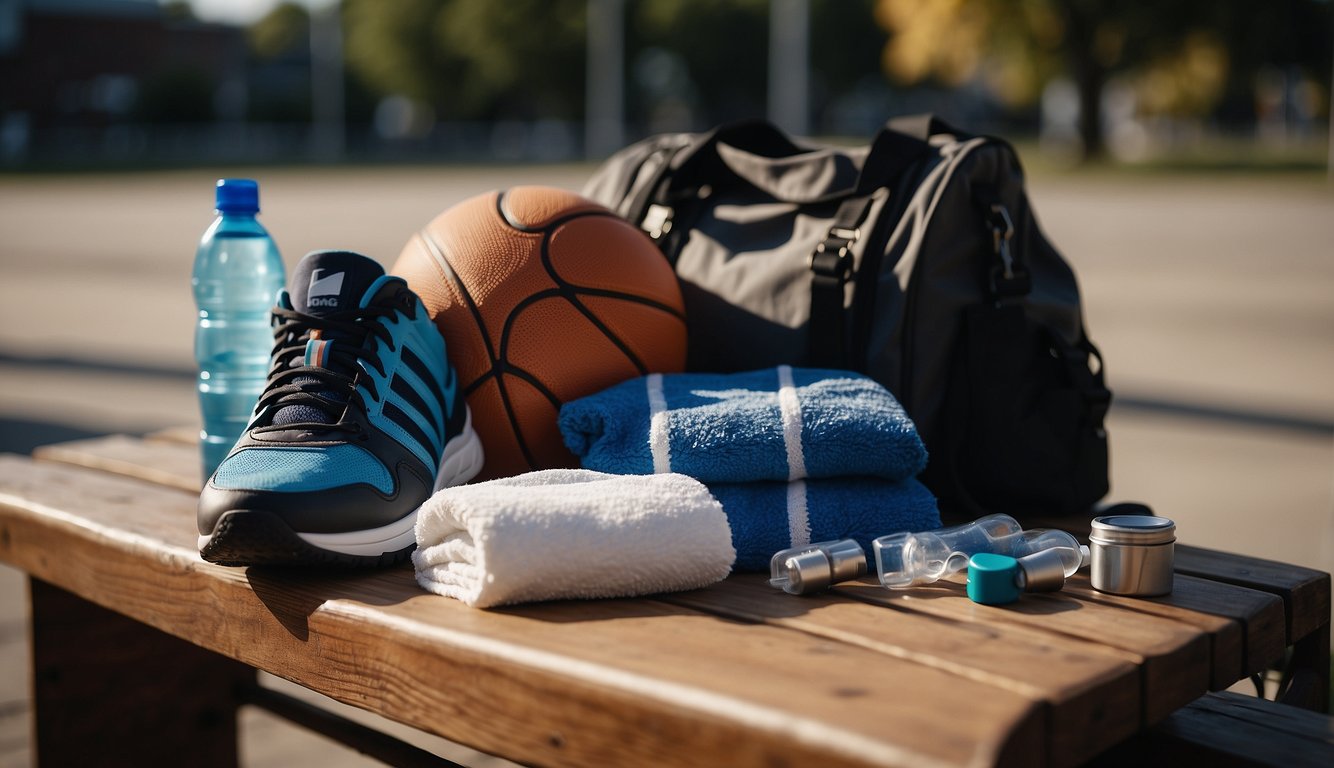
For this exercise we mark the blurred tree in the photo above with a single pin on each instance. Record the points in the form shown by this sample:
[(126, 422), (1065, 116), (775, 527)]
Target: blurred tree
[(1179, 55), (392, 47), (724, 46), (178, 10), (282, 31), (845, 45), (280, 66), (471, 59), (524, 58), (479, 59)]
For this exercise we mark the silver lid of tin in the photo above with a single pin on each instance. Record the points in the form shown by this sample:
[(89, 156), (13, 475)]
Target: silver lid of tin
[(1132, 529)]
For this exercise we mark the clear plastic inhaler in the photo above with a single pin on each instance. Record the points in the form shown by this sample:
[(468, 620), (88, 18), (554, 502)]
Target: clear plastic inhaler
[(912, 559)]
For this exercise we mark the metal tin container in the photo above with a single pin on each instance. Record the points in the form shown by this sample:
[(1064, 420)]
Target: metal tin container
[(1132, 554)]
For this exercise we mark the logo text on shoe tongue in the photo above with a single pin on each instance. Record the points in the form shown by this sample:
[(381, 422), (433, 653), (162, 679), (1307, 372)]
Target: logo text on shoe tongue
[(328, 286)]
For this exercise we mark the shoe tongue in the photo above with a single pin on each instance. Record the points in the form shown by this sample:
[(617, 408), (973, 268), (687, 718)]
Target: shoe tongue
[(326, 282)]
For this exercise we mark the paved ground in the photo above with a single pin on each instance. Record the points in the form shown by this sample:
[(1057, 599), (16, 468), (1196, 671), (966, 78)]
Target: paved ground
[(1212, 298)]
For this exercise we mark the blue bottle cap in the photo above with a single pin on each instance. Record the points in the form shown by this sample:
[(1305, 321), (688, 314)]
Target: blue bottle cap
[(991, 579), (237, 196)]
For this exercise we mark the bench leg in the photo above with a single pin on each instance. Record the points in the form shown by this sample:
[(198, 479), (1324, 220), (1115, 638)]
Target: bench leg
[(108, 690), (1307, 678)]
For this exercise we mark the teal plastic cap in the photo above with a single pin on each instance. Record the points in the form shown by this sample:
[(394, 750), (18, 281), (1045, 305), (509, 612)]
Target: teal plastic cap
[(237, 196), (992, 579)]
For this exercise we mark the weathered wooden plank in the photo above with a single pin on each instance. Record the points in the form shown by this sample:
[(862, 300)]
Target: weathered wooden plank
[(1174, 657), (1227, 729), (1090, 696), (1244, 626), (186, 434), (1305, 591), (162, 462), (596, 682)]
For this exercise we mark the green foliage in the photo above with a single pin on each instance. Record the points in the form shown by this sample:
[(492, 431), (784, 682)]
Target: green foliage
[(522, 58), (391, 47), (284, 30), (484, 59), (471, 59), (178, 10), (1182, 58)]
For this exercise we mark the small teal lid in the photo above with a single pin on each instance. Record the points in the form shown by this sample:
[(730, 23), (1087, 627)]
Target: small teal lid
[(237, 196), (991, 579)]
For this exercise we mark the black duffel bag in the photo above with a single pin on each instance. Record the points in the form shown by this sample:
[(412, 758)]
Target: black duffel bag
[(916, 260)]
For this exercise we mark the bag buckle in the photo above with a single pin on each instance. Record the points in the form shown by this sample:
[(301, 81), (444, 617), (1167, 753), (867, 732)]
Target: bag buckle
[(833, 256), (1006, 280), (657, 221)]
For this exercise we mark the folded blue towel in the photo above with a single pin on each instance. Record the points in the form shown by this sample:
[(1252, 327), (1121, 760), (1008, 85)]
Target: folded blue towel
[(776, 424), (768, 517)]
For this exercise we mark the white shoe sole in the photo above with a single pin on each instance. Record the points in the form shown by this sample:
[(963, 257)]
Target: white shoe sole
[(463, 459)]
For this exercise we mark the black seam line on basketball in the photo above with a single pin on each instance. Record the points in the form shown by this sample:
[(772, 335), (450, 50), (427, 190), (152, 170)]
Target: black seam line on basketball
[(554, 223), (514, 423), (503, 364), (438, 254), (567, 291), (579, 290), (571, 295), (480, 380)]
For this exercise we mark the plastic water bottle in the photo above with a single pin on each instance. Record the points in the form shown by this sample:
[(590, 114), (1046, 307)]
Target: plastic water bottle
[(237, 275)]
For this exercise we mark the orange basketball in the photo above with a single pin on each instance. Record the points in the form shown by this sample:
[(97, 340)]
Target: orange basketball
[(542, 297)]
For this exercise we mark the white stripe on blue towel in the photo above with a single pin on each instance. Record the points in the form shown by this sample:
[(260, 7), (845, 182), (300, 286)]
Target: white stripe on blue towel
[(658, 437), (798, 522), (858, 508), (790, 410), (745, 426)]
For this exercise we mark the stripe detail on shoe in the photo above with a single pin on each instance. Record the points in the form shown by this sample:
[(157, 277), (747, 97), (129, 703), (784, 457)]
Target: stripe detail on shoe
[(429, 381), (317, 352), (400, 426), (408, 395)]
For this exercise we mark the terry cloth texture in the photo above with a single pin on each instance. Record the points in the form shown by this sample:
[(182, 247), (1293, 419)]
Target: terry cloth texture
[(571, 533), (780, 423), (768, 516)]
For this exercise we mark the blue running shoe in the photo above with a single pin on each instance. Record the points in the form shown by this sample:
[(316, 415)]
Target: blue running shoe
[(361, 421)]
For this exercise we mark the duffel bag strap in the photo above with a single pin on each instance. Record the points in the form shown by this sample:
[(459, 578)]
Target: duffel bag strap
[(679, 171), (831, 268), (921, 126)]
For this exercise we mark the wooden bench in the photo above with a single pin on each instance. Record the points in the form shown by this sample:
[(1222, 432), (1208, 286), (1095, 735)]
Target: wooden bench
[(143, 652)]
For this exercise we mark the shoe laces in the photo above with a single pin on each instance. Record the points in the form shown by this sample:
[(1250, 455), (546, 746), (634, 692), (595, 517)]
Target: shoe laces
[(325, 392)]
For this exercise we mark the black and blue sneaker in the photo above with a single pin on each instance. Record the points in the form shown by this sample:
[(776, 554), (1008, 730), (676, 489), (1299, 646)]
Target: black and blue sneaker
[(361, 421)]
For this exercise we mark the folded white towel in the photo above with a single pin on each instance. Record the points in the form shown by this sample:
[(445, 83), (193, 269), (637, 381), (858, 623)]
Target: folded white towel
[(571, 533)]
